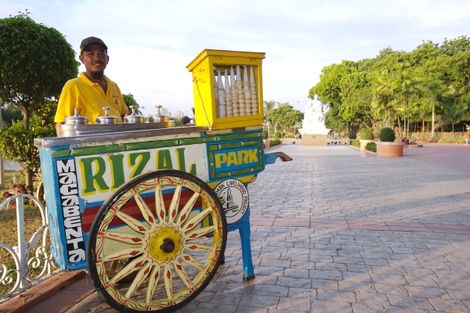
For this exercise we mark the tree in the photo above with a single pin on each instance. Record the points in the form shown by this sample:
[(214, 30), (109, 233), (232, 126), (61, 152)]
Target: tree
[(131, 102), (16, 143), (284, 117), (10, 114), (35, 63), (267, 107)]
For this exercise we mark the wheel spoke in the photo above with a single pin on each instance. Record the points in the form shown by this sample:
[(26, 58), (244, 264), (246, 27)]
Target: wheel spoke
[(196, 220), (192, 261), (131, 222), (159, 203), (146, 213), (168, 279), (122, 254), (184, 214), (126, 238), (153, 283), (139, 278), (199, 232), (199, 247), (182, 273), (175, 201), (131, 267)]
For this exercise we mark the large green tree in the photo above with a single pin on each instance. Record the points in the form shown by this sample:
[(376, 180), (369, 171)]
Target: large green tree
[(35, 62), (398, 88)]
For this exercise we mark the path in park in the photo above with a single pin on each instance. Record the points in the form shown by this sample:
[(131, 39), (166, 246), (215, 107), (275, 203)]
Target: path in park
[(336, 232)]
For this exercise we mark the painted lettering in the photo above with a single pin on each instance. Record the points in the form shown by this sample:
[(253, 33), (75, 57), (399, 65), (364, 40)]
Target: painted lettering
[(94, 169), (138, 160), (69, 200), (236, 158), (117, 170)]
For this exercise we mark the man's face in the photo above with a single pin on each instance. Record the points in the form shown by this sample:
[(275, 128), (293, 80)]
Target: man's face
[(95, 58)]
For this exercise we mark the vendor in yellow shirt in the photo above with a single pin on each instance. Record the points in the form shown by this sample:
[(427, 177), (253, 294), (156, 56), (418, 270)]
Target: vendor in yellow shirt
[(92, 90)]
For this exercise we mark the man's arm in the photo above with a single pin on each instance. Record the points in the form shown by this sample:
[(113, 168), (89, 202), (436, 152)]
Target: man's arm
[(58, 129)]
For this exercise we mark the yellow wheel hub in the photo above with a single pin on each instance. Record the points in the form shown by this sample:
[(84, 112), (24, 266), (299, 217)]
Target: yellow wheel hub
[(165, 244)]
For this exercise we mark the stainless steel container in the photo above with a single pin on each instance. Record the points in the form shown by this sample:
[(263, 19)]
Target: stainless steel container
[(71, 123), (106, 119), (134, 118)]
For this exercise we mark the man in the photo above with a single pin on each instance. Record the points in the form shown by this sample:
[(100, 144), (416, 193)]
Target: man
[(92, 90)]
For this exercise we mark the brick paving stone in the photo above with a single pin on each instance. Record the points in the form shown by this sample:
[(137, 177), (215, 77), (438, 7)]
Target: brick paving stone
[(320, 274), (300, 304), (411, 303), (294, 282), (368, 308), (397, 309), (391, 289), (362, 287), (358, 268), (215, 308), (270, 290), (426, 292), (250, 300), (323, 306), (325, 283), (444, 305), (356, 277), (372, 298), (388, 279), (226, 298), (336, 295), (375, 261)]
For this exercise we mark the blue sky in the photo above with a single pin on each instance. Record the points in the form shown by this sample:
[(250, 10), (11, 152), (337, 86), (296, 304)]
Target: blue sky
[(151, 41)]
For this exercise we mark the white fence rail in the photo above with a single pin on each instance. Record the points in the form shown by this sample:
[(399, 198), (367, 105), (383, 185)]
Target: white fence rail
[(30, 260)]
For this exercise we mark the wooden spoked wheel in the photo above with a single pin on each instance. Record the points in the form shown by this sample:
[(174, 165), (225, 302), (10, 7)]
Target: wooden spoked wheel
[(157, 242)]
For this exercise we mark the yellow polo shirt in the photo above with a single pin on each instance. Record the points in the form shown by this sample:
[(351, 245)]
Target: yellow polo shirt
[(89, 98)]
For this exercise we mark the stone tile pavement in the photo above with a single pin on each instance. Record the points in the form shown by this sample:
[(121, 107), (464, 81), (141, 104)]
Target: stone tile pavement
[(336, 232)]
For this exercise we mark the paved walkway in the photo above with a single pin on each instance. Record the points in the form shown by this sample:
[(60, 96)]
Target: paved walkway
[(336, 232)]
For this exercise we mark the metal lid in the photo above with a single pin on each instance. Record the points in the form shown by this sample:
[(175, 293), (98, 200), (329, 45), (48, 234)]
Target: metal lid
[(76, 119), (106, 118)]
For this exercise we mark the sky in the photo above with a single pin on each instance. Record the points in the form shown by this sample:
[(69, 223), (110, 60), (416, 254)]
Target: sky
[(150, 42)]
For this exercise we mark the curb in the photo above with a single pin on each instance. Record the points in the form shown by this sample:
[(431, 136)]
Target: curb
[(41, 291)]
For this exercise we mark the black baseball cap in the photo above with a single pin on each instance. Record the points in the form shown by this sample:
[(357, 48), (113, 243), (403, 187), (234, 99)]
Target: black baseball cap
[(89, 40)]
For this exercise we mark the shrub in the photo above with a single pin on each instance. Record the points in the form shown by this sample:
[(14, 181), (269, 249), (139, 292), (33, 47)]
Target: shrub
[(365, 134), (274, 142), (452, 139), (355, 143), (387, 134), (371, 146)]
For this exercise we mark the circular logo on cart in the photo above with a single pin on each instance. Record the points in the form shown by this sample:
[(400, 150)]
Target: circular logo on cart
[(234, 198)]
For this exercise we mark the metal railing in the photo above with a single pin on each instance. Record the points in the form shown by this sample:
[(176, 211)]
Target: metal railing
[(30, 260)]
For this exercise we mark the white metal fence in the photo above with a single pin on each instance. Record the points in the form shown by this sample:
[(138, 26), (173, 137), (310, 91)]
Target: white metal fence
[(29, 260)]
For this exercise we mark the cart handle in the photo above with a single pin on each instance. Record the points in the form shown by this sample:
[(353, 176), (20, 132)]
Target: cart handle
[(270, 158)]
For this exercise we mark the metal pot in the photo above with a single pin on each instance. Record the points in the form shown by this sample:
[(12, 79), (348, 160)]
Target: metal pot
[(106, 119), (134, 118), (76, 119)]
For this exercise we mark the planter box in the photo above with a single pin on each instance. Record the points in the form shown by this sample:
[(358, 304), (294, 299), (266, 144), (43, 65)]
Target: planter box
[(389, 149)]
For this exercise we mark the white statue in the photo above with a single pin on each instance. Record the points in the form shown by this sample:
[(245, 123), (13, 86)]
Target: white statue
[(314, 118)]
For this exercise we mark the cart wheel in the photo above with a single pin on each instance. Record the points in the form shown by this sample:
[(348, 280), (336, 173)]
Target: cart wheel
[(157, 242)]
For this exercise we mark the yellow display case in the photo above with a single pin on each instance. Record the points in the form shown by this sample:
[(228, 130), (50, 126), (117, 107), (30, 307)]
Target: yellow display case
[(228, 89)]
